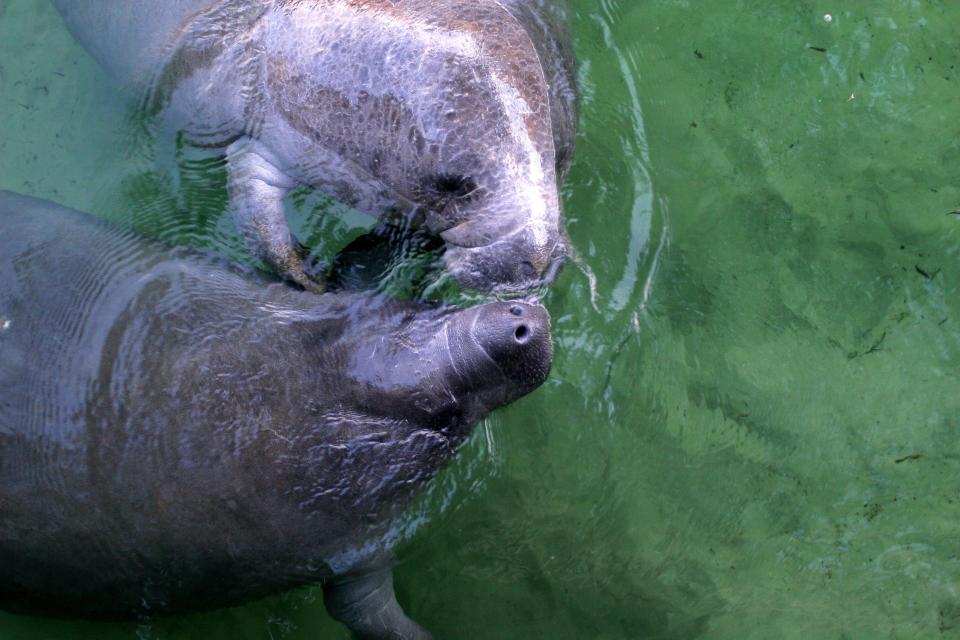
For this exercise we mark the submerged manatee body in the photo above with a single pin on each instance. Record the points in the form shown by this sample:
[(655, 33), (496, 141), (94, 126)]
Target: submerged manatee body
[(457, 113), (178, 434)]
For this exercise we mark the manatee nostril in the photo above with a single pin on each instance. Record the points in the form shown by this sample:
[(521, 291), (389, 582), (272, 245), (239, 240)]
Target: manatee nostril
[(521, 334), (516, 310)]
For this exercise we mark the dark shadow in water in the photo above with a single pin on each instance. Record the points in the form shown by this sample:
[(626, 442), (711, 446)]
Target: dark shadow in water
[(391, 255)]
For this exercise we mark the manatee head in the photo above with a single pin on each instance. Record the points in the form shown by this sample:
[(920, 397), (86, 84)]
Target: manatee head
[(386, 391), (501, 226), (495, 187), (496, 171), (446, 369)]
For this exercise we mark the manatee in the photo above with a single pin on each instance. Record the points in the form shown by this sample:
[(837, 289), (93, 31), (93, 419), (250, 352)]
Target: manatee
[(455, 114), (178, 433)]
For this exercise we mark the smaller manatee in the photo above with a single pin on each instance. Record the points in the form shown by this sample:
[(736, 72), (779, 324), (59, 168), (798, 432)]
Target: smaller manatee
[(457, 114)]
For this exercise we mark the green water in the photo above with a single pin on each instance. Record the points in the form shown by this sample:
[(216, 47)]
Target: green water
[(752, 429)]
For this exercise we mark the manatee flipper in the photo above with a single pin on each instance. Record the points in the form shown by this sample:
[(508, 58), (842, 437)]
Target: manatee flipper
[(366, 603), (257, 188)]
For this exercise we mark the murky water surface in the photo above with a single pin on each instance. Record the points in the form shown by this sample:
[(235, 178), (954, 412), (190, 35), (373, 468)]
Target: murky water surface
[(752, 429)]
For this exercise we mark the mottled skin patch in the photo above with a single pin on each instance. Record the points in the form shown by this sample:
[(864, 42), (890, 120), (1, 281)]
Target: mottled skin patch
[(380, 103)]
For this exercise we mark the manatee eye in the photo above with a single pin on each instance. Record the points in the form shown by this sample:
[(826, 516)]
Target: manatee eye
[(454, 187), (445, 197)]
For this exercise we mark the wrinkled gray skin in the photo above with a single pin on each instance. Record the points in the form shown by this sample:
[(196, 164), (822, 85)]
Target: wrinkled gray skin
[(456, 113), (179, 434)]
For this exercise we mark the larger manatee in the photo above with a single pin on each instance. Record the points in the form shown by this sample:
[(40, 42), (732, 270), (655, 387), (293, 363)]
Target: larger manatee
[(459, 114), (180, 434)]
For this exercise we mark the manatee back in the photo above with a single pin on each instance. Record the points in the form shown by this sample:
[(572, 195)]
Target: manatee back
[(129, 38), (89, 426), (55, 265), (91, 311), (547, 23)]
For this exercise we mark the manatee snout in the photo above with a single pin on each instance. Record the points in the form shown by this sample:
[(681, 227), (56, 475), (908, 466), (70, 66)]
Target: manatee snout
[(516, 336), (519, 263), (508, 340)]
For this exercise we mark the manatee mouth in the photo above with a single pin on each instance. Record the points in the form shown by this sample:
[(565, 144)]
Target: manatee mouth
[(503, 267)]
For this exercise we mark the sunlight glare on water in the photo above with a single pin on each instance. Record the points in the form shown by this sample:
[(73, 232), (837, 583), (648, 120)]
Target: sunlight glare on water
[(752, 428)]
